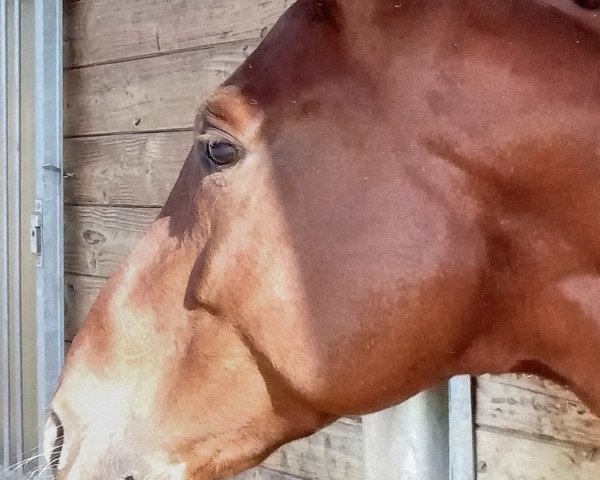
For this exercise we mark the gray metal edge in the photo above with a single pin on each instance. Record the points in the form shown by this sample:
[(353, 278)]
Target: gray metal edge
[(461, 431), (49, 190), (4, 314)]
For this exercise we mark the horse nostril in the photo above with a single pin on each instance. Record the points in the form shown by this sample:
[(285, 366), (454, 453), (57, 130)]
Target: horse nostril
[(53, 440), (128, 477)]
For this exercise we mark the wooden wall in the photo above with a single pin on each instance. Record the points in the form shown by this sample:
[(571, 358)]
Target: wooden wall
[(136, 70), (532, 429)]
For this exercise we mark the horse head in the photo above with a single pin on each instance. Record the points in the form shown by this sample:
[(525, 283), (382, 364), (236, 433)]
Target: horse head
[(365, 211)]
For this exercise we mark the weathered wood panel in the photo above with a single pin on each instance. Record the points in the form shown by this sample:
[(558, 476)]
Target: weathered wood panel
[(160, 93), (334, 453), (536, 414), (508, 457), (98, 239), (80, 294), (262, 473), (104, 31), (132, 170), (533, 383)]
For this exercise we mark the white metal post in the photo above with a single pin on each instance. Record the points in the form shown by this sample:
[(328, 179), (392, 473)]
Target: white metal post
[(461, 430), (409, 441), (428, 437), (4, 314), (49, 188)]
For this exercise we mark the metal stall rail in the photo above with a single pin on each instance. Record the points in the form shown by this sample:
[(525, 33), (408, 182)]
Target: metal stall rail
[(31, 223), (429, 437)]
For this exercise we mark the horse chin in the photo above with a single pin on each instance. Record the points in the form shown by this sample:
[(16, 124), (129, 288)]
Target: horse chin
[(234, 469), (218, 468)]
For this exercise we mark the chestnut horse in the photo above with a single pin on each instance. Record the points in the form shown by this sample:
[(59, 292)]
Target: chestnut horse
[(384, 195)]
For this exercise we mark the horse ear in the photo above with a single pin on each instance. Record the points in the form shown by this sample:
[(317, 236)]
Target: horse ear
[(589, 4)]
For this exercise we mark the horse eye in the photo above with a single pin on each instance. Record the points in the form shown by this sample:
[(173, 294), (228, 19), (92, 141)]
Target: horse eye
[(221, 152)]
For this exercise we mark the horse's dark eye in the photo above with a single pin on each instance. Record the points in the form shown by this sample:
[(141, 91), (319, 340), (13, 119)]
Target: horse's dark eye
[(221, 152)]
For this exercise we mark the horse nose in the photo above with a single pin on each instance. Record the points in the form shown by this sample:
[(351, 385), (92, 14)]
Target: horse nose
[(53, 440)]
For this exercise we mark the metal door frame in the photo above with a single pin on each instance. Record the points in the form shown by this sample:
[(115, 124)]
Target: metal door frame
[(31, 218)]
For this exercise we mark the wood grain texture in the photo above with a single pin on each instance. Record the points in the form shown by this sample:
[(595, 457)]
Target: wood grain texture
[(508, 457), (98, 239), (106, 31), (132, 170), (535, 414), (80, 294), (160, 93), (334, 453), (262, 473), (533, 383)]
